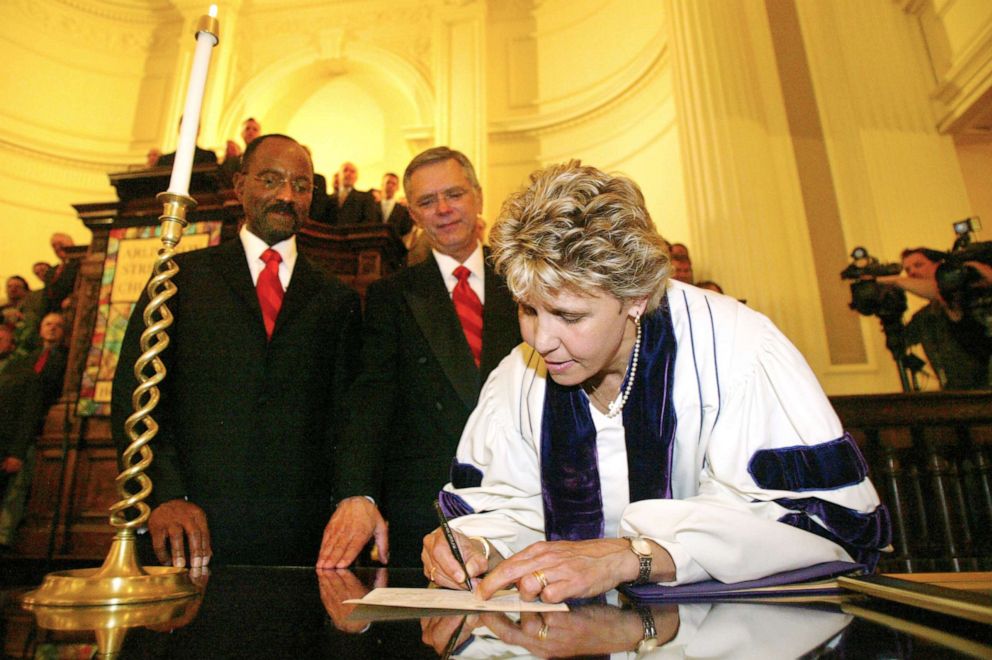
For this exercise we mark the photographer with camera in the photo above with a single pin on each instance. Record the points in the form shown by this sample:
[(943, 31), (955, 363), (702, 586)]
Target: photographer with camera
[(955, 343)]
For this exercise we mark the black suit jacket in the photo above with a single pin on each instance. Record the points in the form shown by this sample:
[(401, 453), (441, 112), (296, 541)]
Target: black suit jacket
[(320, 200), (399, 218), (20, 406), (52, 374), (248, 425), (200, 157), (359, 208), (417, 387)]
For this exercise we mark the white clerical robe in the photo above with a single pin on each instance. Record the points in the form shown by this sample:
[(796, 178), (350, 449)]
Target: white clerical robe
[(739, 387)]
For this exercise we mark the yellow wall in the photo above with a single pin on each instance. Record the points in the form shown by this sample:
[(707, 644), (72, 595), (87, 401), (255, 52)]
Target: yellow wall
[(519, 84)]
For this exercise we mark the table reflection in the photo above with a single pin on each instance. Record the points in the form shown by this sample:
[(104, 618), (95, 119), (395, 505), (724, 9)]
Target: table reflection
[(248, 612), (710, 630)]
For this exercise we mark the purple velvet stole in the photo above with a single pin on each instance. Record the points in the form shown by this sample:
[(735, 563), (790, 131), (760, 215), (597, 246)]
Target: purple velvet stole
[(572, 492)]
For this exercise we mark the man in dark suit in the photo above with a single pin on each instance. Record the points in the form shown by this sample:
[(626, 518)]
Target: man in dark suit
[(200, 157), (391, 210), (348, 206), (20, 409), (250, 404), (422, 370), (60, 280)]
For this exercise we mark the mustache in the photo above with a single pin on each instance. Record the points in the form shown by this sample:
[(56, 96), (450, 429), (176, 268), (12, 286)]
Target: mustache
[(282, 207)]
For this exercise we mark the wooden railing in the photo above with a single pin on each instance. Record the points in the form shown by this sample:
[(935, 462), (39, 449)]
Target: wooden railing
[(929, 459)]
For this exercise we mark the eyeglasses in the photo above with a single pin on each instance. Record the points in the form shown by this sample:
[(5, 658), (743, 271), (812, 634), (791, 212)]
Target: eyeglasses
[(451, 195), (271, 181)]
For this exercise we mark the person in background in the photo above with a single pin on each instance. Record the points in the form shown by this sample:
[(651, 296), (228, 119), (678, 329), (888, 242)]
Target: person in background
[(61, 279), (955, 344), (348, 206), (646, 431), (17, 292), (680, 251), (393, 210), (20, 410), (41, 269), (250, 129), (682, 270), (710, 285), (200, 156), (48, 362), (318, 207)]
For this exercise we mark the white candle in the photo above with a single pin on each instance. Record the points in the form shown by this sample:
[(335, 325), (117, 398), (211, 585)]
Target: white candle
[(183, 165)]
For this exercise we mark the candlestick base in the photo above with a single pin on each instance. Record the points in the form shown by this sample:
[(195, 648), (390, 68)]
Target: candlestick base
[(120, 581), (110, 623)]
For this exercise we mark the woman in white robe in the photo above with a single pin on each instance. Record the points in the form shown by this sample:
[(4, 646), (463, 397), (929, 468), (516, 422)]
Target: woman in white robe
[(647, 430)]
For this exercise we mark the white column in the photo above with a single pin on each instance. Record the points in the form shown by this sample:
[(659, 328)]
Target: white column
[(459, 73), (747, 219)]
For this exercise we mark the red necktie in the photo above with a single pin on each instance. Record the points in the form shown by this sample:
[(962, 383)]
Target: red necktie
[(39, 364), (468, 307), (269, 290)]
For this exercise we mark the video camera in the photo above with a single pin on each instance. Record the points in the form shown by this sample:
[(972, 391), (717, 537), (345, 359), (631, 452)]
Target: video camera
[(868, 297), (888, 303), (957, 281)]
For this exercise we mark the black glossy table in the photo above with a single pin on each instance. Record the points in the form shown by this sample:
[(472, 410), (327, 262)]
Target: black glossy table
[(252, 612)]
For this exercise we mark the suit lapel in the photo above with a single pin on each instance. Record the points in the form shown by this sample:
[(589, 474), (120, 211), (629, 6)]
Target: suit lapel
[(500, 326), (430, 304), (303, 286), (233, 267)]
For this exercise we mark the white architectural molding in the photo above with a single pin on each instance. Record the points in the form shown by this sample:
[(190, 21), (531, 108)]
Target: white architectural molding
[(619, 88), (969, 78), (387, 63)]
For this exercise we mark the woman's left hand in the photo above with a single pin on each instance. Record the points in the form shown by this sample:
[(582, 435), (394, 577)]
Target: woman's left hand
[(570, 569)]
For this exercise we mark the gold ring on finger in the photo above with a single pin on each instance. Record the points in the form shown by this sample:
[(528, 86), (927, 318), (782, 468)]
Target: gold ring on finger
[(541, 577), (542, 634), (433, 571)]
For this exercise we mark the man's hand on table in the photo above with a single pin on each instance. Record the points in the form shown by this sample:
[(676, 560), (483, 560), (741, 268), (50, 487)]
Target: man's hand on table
[(354, 522), (173, 525)]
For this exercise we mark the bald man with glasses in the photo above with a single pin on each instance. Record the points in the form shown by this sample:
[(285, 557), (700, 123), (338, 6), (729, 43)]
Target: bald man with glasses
[(262, 349)]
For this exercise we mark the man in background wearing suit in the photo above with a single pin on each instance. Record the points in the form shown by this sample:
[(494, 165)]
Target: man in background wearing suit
[(200, 156), (261, 352), (250, 130), (392, 211), (349, 206), (431, 337)]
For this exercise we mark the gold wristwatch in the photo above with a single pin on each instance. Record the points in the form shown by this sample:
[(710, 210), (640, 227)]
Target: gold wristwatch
[(642, 548), (650, 640)]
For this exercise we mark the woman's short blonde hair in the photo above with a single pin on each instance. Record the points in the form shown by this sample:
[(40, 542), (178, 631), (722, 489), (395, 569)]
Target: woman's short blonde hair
[(576, 228)]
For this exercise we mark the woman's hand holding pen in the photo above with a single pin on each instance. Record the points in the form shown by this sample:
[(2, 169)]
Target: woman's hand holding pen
[(440, 565)]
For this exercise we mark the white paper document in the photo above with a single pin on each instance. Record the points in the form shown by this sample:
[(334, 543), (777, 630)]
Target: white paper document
[(450, 599)]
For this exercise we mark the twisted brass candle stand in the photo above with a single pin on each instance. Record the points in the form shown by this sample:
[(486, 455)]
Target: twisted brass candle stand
[(121, 594), (122, 580)]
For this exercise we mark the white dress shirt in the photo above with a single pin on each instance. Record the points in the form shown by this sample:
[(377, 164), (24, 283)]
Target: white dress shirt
[(476, 263), (255, 246)]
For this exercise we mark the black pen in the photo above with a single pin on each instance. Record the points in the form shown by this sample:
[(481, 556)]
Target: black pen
[(449, 650), (452, 544)]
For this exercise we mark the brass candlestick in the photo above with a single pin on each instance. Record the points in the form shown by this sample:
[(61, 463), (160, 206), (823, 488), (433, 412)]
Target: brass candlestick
[(121, 593), (122, 580)]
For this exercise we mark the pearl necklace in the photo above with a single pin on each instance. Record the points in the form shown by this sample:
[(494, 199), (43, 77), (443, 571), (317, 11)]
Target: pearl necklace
[(616, 406)]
